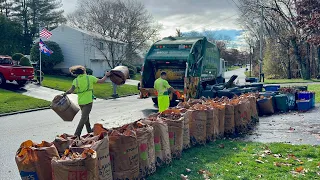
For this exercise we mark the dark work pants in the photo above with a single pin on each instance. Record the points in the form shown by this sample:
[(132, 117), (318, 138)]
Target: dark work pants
[(85, 111)]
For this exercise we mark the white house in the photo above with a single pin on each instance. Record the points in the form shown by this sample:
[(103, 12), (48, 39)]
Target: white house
[(80, 47)]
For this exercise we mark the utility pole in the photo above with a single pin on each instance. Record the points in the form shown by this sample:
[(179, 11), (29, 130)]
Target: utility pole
[(250, 71), (261, 43)]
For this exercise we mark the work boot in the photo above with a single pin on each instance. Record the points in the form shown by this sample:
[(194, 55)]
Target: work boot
[(115, 95)]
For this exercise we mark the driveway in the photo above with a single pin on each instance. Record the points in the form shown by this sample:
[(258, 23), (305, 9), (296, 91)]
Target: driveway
[(239, 72)]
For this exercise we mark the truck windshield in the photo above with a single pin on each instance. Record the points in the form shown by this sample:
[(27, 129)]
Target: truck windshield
[(5, 61)]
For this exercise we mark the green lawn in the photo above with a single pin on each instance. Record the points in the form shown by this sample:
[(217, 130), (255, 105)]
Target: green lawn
[(12, 102), (284, 81), (137, 77), (316, 89), (245, 160), (233, 68), (100, 90)]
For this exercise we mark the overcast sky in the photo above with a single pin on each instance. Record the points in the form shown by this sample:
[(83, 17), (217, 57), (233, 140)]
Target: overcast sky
[(187, 15)]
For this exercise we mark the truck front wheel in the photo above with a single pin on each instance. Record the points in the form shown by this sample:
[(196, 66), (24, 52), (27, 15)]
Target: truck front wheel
[(2, 80)]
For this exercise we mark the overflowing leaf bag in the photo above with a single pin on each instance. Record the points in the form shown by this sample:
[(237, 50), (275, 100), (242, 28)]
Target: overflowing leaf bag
[(186, 127), (245, 116), (265, 106), (64, 107), (215, 106), (175, 123), (145, 138), (63, 142), (101, 145), (229, 122), (210, 124), (79, 164), (34, 160), (124, 153), (119, 75), (221, 118), (161, 141), (253, 107), (197, 116)]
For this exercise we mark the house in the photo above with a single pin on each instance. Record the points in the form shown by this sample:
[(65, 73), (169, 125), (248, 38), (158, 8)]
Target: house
[(80, 47)]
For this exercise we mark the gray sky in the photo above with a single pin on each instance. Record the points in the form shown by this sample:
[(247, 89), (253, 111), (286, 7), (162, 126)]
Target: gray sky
[(187, 15)]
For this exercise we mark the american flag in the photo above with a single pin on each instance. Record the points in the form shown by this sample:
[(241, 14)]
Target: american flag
[(44, 49), (45, 33)]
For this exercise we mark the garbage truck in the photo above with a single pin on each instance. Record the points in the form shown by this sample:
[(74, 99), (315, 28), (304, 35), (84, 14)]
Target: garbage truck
[(191, 63)]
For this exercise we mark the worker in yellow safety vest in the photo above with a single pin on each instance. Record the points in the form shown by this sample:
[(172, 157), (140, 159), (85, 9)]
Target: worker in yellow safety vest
[(162, 86)]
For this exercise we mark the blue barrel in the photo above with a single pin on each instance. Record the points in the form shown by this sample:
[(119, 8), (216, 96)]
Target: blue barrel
[(272, 88), (304, 95)]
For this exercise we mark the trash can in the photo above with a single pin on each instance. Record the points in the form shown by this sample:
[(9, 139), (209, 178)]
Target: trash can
[(282, 103)]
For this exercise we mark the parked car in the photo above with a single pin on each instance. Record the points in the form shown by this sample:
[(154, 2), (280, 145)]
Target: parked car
[(11, 72)]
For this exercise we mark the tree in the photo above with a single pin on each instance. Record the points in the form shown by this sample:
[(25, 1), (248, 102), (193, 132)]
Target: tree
[(24, 61), (34, 13), (10, 36), (17, 56), (48, 62), (115, 22), (6, 7)]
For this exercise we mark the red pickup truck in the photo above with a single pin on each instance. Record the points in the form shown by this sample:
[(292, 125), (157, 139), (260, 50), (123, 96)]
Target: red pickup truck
[(11, 72)]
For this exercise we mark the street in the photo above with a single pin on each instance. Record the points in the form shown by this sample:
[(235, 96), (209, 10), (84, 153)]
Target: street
[(45, 125)]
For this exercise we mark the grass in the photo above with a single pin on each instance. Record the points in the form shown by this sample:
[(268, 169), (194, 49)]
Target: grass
[(12, 102), (100, 90), (233, 68), (247, 73), (284, 81), (316, 89), (137, 77), (245, 160)]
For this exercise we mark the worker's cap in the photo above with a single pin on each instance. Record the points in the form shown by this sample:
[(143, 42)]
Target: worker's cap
[(78, 69)]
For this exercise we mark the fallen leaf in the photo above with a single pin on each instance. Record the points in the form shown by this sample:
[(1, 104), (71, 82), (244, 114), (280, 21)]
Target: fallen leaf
[(188, 170), (183, 177), (259, 176), (277, 164), (201, 171), (299, 169), (318, 173), (239, 163), (277, 155), (291, 129), (292, 156), (260, 158), (221, 146), (239, 177), (259, 161), (268, 152)]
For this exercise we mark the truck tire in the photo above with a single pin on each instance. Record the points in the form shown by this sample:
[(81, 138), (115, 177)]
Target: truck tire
[(22, 83), (2, 80)]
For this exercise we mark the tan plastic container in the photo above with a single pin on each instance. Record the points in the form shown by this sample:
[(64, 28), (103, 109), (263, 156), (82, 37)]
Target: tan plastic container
[(119, 75), (65, 108)]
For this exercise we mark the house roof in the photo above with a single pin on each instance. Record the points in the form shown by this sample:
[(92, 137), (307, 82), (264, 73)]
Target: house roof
[(96, 35), (92, 34)]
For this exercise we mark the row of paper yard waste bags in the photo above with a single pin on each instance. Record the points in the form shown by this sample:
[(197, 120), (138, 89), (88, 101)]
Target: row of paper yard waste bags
[(136, 150)]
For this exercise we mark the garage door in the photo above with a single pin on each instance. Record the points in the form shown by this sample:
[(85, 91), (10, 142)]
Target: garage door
[(97, 68)]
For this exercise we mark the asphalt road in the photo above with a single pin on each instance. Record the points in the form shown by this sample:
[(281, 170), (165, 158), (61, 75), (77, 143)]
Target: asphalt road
[(239, 72), (45, 125)]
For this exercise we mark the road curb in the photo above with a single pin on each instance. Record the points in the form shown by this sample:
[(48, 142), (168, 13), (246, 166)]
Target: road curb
[(26, 111)]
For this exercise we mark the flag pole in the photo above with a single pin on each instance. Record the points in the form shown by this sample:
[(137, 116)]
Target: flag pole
[(40, 64)]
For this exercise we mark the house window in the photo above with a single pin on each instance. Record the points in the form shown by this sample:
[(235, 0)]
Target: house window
[(101, 46)]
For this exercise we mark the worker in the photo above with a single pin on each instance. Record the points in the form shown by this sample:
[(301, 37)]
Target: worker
[(84, 86), (162, 86)]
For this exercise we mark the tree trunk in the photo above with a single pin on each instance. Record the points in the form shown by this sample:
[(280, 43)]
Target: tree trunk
[(289, 64), (318, 60)]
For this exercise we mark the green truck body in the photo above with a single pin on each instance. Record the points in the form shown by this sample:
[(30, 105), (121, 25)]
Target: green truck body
[(189, 63)]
